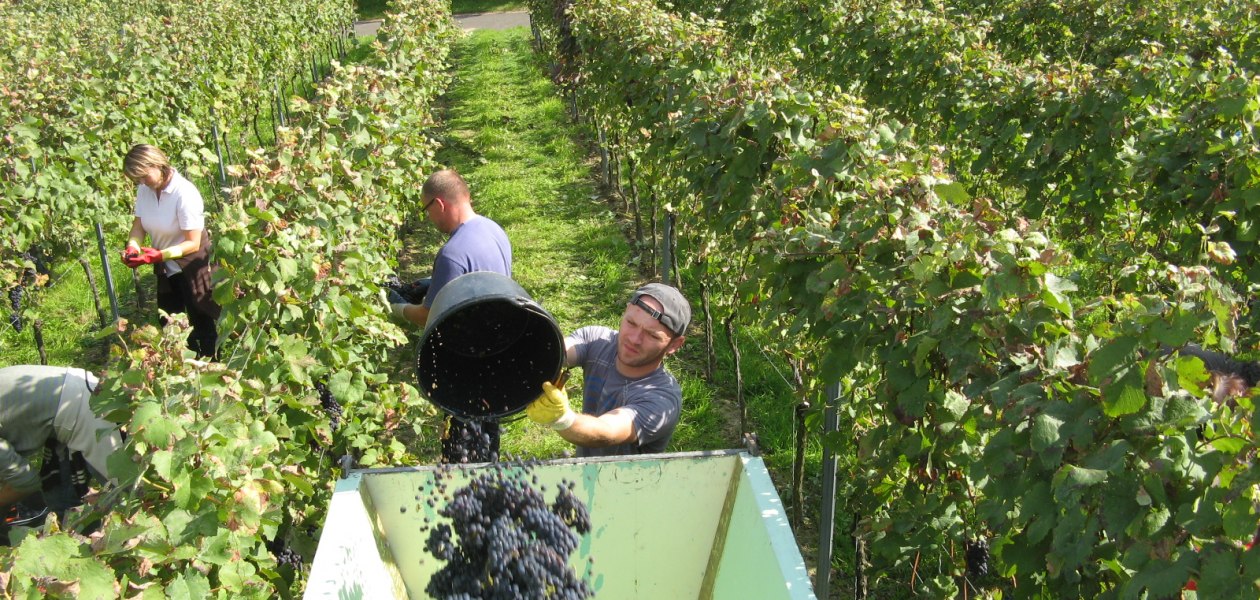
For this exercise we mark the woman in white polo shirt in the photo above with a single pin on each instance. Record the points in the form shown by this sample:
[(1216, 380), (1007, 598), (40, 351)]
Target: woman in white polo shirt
[(169, 210)]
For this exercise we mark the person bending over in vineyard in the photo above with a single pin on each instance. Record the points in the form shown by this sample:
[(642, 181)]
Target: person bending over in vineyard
[(48, 406), (170, 211), (630, 403), (476, 244)]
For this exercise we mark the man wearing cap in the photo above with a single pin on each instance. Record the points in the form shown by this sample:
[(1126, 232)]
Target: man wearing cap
[(630, 403), (38, 403)]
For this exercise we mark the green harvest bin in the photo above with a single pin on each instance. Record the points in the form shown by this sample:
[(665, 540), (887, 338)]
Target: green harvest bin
[(686, 525)]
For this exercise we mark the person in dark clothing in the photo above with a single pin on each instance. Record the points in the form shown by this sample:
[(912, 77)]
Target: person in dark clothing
[(630, 403)]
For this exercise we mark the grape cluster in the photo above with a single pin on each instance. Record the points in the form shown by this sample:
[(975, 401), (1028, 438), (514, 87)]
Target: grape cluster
[(504, 541), (571, 510), (15, 302), (413, 292), (977, 554), (331, 407), (470, 442), (36, 259), (285, 556)]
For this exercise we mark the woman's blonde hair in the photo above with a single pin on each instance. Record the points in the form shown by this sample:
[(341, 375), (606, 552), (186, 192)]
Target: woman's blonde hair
[(143, 157)]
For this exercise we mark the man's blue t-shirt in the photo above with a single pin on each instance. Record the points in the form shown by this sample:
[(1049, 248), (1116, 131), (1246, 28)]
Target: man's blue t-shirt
[(655, 399), (477, 245)]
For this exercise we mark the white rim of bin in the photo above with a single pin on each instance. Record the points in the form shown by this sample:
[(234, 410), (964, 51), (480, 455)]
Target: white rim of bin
[(782, 539)]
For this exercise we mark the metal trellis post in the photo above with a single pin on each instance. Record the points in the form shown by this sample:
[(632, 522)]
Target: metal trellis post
[(827, 511), (218, 149), (603, 156), (109, 276), (280, 104), (667, 256)]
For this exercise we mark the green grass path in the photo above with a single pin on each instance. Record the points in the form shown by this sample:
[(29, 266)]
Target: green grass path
[(531, 170), (507, 132)]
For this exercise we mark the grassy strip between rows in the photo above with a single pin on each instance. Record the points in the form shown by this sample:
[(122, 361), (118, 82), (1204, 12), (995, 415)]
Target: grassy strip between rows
[(531, 170), (508, 134)]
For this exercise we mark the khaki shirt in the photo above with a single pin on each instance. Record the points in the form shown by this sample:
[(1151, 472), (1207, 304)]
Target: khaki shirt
[(37, 403)]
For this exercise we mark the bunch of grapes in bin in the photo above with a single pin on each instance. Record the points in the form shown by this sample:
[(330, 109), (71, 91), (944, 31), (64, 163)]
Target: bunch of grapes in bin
[(503, 540)]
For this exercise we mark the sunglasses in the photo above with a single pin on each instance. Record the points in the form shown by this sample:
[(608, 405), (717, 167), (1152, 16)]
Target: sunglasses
[(428, 204)]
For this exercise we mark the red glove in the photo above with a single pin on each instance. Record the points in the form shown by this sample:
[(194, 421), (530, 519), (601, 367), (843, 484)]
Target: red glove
[(148, 256), (131, 257)]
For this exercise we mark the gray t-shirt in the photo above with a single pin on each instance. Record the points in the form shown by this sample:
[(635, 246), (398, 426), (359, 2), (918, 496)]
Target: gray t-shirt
[(477, 245), (655, 399)]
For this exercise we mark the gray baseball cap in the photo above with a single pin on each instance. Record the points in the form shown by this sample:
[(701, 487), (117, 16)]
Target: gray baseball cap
[(676, 311)]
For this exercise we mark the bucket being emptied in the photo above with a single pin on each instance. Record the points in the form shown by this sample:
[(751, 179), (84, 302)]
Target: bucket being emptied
[(487, 348)]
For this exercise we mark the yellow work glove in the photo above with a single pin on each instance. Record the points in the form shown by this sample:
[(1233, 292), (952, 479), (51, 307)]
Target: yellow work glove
[(552, 408)]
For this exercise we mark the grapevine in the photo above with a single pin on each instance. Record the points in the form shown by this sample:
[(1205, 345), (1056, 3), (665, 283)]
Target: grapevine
[(1129, 151), (83, 81), (909, 261), (240, 429)]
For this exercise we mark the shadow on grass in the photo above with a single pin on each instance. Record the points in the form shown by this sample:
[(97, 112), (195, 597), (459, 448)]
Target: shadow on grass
[(371, 9)]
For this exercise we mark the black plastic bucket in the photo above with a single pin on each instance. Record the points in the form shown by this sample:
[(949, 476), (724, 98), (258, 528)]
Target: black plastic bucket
[(487, 348)]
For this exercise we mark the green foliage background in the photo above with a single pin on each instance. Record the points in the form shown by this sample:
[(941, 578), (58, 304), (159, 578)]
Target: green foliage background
[(987, 223), (999, 337), (226, 458)]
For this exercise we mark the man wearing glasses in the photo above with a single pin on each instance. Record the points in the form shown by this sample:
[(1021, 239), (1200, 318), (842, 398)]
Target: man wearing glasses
[(476, 244), (630, 403)]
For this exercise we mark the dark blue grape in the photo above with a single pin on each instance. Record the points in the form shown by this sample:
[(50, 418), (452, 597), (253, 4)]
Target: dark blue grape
[(15, 302), (503, 541), (977, 555), (284, 555), (331, 407)]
